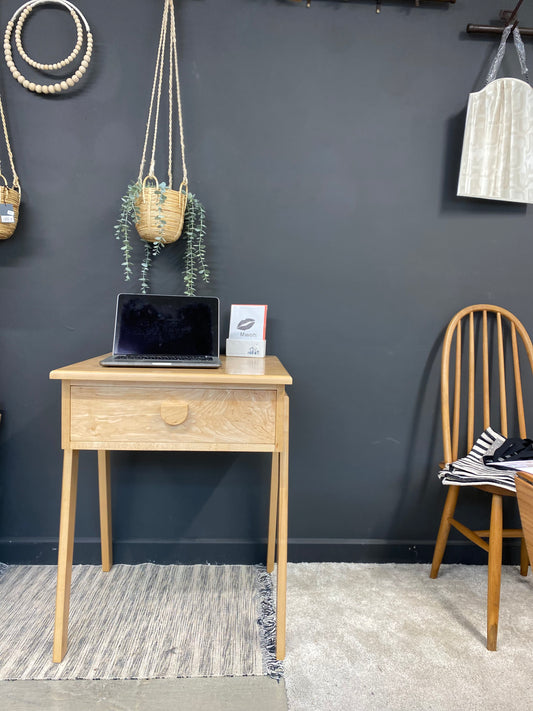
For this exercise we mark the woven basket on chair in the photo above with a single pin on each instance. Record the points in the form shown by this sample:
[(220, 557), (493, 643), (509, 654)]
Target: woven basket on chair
[(9, 196), (172, 210)]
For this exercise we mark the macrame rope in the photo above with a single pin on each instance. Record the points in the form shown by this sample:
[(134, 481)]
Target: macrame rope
[(158, 104), (155, 99), (149, 121), (16, 183), (178, 92), (170, 112)]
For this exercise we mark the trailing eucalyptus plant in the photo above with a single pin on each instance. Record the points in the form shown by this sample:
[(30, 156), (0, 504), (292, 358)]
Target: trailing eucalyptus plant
[(194, 232), (129, 214)]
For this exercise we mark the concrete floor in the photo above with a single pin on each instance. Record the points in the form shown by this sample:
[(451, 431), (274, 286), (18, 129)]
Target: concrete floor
[(213, 694)]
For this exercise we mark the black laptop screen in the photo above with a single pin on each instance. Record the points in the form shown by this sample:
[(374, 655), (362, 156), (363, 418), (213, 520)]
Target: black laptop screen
[(166, 325)]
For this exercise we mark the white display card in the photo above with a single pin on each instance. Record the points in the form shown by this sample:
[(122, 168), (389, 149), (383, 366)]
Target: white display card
[(248, 321)]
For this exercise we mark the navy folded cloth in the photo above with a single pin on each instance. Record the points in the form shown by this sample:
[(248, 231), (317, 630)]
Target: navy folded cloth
[(512, 450)]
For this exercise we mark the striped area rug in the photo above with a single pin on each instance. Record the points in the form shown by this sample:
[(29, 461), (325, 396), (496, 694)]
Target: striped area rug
[(140, 622)]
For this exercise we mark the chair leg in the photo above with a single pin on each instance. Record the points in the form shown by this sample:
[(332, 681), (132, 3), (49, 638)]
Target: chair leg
[(444, 529), (495, 571), (524, 558)]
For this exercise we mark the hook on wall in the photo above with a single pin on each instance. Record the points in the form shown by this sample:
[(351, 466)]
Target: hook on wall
[(508, 17)]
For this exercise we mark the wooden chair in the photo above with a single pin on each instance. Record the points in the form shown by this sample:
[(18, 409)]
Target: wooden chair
[(524, 494), (492, 339)]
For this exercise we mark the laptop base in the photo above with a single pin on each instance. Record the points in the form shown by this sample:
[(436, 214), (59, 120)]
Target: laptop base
[(159, 362)]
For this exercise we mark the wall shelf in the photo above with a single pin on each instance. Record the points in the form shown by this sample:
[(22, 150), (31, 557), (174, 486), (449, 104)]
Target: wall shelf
[(507, 16), (416, 3)]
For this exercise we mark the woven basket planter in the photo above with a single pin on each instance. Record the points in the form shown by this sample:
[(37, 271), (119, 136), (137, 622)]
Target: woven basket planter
[(9, 196), (172, 211)]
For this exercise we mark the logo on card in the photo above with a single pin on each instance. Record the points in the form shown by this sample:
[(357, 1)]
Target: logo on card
[(246, 324)]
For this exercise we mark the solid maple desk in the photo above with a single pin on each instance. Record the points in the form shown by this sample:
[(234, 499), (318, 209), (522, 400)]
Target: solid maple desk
[(240, 407)]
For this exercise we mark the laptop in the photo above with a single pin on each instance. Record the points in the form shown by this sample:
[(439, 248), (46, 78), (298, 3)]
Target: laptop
[(158, 330)]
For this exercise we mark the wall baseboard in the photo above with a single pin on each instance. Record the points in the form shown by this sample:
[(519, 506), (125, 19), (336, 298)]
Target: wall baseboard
[(43, 551)]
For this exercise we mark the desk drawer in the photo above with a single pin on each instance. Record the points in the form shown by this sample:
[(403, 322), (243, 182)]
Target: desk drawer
[(160, 417)]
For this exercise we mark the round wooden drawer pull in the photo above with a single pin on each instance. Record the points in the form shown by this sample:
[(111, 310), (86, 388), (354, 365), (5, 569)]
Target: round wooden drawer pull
[(174, 413)]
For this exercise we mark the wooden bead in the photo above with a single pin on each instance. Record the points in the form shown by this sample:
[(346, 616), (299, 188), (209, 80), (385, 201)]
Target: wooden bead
[(31, 86), (64, 85), (57, 87), (44, 89), (70, 82), (38, 88)]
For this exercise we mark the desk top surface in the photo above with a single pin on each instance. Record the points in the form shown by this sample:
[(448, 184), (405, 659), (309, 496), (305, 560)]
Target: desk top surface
[(234, 370)]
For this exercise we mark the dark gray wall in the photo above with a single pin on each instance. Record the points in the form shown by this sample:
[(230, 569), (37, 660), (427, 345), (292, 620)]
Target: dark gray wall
[(325, 145)]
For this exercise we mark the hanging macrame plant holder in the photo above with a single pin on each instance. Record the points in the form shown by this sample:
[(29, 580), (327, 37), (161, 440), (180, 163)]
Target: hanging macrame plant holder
[(160, 209), (9, 196), (159, 212)]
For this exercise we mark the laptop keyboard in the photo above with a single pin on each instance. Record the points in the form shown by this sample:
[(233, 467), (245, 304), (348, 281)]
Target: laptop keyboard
[(173, 358)]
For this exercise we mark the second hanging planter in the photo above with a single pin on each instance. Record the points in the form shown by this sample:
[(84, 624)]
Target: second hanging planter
[(9, 196)]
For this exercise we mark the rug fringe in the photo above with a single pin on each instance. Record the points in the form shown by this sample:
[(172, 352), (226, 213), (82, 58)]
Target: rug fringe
[(267, 624)]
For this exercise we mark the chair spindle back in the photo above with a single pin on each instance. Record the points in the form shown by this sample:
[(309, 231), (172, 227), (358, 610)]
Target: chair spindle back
[(498, 326)]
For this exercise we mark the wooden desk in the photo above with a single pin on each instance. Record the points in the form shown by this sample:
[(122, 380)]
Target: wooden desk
[(241, 407)]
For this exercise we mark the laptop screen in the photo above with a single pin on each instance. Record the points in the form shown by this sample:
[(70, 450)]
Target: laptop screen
[(150, 324)]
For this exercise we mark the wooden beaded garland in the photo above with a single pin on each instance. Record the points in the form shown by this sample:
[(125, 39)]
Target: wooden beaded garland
[(17, 24)]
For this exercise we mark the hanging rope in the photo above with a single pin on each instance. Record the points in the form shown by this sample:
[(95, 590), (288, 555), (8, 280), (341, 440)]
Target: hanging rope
[(16, 184), (174, 47), (152, 123)]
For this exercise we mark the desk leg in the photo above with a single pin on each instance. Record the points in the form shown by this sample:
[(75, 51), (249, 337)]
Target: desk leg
[(104, 489), (283, 510), (273, 513), (65, 551)]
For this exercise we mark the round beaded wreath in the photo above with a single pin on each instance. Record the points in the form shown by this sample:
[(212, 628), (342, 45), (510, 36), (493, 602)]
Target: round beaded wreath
[(17, 22)]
